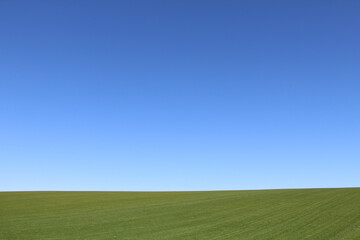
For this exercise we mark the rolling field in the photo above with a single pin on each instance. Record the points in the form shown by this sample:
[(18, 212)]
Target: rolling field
[(262, 214)]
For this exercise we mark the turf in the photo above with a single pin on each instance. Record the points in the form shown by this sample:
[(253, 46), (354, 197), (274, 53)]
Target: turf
[(266, 214)]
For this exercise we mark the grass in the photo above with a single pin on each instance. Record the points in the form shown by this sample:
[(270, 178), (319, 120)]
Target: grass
[(261, 214)]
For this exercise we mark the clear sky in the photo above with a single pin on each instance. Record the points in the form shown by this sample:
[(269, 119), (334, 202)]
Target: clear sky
[(179, 95)]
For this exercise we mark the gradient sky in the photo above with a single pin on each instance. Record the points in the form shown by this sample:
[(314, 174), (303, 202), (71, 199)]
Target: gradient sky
[(179, 95)]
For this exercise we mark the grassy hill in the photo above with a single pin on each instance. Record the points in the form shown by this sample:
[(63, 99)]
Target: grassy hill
[(266, 214)]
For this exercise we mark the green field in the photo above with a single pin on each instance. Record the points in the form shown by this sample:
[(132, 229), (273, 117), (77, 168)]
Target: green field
[(261, 214)]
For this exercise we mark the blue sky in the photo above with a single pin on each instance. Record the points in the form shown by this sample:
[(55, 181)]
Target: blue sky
[(179, 95)]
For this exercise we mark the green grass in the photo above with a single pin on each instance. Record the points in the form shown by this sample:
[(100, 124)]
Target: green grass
[(266, 214)]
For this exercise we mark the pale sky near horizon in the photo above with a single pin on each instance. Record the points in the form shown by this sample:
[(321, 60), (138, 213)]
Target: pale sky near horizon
[(179, 95)]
